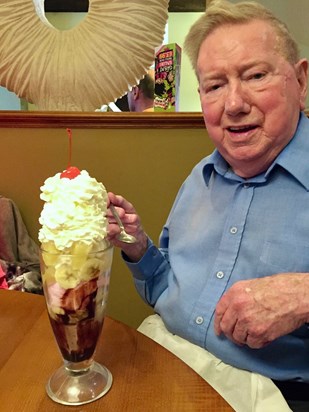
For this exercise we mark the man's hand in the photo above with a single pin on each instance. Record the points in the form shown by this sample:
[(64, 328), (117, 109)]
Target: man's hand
[(257, 311), (132, 224)]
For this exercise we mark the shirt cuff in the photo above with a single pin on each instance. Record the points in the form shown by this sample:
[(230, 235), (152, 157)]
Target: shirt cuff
[(147, 265)]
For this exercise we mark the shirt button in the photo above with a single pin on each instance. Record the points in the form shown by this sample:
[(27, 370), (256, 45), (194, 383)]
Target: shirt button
[(246, 185), (199, 320), (233, 230), (220, 274)]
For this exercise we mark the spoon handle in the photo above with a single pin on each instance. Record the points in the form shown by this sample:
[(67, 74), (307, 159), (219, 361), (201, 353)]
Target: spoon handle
[(123, 235), (116, 216)]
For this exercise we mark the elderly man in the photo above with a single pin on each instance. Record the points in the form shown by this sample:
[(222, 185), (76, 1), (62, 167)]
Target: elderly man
[(231, 273)]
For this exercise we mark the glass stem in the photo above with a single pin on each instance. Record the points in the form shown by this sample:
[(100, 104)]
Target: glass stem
[(78, 368)]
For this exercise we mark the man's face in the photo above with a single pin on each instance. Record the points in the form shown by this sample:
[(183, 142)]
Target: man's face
[(250, 95)]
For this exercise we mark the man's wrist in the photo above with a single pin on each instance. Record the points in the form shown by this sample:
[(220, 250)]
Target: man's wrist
[(135, 254)]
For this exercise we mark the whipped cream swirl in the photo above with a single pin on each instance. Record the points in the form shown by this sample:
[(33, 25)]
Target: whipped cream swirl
[(74, 210)]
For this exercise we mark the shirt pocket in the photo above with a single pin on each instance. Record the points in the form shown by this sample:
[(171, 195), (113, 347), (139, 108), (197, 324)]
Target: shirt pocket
[(283, 256)]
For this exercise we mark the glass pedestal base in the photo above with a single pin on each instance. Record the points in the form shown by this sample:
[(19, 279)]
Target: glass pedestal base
[(77, 388)]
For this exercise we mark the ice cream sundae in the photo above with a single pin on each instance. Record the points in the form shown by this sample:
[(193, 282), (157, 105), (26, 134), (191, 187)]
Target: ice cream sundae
[(76, 260)]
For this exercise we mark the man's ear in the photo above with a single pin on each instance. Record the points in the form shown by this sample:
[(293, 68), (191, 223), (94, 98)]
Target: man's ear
[(135, 92), (301, 68)]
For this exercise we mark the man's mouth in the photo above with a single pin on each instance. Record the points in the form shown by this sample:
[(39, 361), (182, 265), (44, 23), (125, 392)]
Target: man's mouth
[(241, 129)]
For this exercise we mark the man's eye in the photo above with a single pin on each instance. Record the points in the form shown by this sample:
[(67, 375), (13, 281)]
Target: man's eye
[(257, 76), (212, 87)]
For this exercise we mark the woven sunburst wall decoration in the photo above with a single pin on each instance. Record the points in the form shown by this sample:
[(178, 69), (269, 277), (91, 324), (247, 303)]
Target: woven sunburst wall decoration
[(80, 69)]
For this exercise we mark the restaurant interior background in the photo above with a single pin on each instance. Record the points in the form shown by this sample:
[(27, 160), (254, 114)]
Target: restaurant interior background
[(181, 17)]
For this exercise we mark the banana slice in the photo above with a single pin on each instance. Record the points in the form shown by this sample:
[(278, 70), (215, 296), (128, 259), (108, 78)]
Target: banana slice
[(50, 253), (66, 276), (50, 247), (80, 248), (80, 252), (91, 269)]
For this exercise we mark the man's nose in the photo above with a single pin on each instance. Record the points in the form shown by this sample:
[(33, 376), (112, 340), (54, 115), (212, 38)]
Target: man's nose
[(236, 100)]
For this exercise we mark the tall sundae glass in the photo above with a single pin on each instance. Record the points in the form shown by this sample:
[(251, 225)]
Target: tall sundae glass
[(76, 261), (76, 290)]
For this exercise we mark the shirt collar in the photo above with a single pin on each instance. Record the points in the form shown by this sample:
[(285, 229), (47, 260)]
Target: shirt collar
[(216, 162), (214, 159), (291, 158)]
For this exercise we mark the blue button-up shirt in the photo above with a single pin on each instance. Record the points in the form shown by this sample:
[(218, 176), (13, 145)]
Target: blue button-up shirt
[(222, 229)]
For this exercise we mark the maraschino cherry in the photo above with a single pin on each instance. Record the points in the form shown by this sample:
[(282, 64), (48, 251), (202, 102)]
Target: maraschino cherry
[(71, 171)]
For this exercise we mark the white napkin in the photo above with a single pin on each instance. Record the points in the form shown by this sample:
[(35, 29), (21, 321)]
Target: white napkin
[(245, 391)]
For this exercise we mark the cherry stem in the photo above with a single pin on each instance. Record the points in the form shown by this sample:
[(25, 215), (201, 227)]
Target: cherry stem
[(69, 132)]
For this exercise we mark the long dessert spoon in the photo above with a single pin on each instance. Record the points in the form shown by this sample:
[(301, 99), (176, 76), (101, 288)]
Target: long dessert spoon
[(123, 235)]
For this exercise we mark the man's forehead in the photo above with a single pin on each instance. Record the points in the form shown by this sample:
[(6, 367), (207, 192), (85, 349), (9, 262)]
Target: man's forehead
[(229, 40), (256, 28)]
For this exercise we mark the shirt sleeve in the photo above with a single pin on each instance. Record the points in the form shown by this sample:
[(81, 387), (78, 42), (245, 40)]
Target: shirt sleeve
[(150, 273)]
